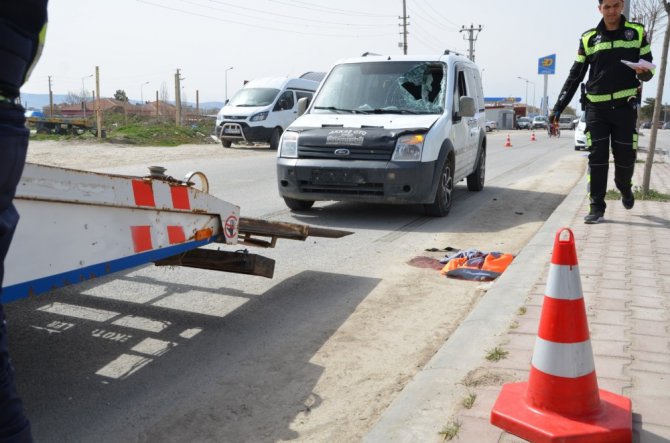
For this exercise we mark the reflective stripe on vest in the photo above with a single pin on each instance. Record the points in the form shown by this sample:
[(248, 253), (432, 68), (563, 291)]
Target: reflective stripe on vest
[(599, 98), (590, 50)]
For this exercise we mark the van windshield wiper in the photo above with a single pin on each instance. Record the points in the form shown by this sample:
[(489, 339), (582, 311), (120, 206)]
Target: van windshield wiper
[(333, 108), (387, 111)]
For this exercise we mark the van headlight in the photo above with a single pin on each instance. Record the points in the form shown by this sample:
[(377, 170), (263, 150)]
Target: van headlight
[(408, 148), (259, 117), (289, 145)]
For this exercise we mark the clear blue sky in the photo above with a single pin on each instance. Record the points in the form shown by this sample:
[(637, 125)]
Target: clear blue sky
[(139, 41)]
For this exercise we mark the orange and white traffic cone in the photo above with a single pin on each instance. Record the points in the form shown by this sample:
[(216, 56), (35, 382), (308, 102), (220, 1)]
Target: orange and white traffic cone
[(532, 136), (561, 401), (508, 142)]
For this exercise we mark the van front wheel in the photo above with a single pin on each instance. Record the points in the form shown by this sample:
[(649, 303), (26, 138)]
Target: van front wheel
[(298, 205), (445, 192), (274, 139), (226, 143)]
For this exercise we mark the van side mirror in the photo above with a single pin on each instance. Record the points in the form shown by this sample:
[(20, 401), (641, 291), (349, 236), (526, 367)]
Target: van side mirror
[(302, 105), (467, 107)]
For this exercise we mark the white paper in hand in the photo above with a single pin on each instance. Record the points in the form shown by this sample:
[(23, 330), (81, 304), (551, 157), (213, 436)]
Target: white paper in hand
[(639, 64)]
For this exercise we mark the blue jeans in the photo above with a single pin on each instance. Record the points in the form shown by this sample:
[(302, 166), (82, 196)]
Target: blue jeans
[(14, 425)]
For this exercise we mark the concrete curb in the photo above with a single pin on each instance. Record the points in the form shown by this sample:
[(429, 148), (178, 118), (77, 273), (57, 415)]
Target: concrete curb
[(424, 406)]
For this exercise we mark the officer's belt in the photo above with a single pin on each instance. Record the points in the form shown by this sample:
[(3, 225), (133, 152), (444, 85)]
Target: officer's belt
[(599, 98)]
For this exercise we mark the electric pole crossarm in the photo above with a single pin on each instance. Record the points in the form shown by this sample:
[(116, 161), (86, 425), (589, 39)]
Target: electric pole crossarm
[(472, 38)]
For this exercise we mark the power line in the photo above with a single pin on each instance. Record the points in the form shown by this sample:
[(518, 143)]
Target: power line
[(430, 17), (258, 26), (423, 28), (300, 20), (313, 7), (441, 17)]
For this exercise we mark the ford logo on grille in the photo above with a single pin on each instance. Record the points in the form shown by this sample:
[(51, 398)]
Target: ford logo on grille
[(342, 152)]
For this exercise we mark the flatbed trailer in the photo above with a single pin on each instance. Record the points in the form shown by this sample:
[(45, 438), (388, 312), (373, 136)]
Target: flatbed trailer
[(63, 125), (78, 225)]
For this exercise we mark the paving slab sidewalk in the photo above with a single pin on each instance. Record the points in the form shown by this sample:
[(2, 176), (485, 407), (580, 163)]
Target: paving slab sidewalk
[(624, 265)]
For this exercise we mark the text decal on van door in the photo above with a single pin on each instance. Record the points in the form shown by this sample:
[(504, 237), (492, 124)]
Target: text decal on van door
[(350, 137)]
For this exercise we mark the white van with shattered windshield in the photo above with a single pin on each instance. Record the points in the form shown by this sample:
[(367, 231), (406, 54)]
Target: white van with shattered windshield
[(388, 129)]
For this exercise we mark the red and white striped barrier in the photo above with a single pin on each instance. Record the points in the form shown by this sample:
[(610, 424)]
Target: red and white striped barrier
[(77, 225), (561, 401)]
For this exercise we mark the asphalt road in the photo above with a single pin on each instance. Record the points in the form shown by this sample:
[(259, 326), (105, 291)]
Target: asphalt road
[(160, 354)]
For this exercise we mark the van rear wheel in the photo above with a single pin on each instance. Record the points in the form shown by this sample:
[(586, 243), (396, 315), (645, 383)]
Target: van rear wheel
[(298, 205), (445, 191), (274, 139)]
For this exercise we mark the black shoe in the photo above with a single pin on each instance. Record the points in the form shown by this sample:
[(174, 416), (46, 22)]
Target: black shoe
[(594, 217), (628, 199)]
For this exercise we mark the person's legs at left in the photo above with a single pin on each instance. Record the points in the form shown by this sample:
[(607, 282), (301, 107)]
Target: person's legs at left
[(14, 425)]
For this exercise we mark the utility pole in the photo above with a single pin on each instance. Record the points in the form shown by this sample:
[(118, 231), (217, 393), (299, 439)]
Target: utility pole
[(472, 37), (197, 102), (98, 114), (157, 112), (51, 100), (177, 98), (404, 26)]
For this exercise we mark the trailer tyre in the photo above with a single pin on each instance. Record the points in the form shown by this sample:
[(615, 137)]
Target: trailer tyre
[(226, 143), (274, 139), (298, 205)]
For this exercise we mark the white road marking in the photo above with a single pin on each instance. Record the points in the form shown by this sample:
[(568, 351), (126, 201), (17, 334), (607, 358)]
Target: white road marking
[(98, 315), (123, 366), (151, 346), (190, 333), (206, 303), (142, 323)]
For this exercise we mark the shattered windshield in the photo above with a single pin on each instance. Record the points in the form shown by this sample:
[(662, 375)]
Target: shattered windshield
[(386, 87), (254, 97)]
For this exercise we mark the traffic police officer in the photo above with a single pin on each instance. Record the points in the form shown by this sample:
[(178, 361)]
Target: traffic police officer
[(22, 31), (610, 100)]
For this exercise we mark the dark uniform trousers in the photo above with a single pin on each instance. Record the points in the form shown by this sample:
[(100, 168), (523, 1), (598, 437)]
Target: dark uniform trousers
[(607, 127), (14, 426)]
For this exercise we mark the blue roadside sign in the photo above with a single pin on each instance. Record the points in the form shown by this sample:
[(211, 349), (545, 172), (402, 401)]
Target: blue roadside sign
[(547, 65)]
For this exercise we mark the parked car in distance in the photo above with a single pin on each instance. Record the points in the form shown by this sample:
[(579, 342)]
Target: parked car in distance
[(539, 122), (565, 123), (491, 125), (666, 125), (580, 137), (523, 123), (647, 125)]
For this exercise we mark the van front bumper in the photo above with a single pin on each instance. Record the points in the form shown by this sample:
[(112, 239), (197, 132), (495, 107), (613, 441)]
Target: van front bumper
[(241, 131), (357, 180)]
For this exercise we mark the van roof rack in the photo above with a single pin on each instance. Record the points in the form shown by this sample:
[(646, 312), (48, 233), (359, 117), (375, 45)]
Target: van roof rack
[(451, 51), (365, 54)]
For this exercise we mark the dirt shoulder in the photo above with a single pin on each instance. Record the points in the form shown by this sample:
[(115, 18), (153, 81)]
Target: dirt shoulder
[(92, 156)]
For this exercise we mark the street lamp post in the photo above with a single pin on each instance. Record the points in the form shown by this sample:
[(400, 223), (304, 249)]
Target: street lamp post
[(527, 81), (83, 92), (226, 80), (142, 92)]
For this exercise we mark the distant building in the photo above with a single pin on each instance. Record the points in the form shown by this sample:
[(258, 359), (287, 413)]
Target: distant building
[(113, 106)]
